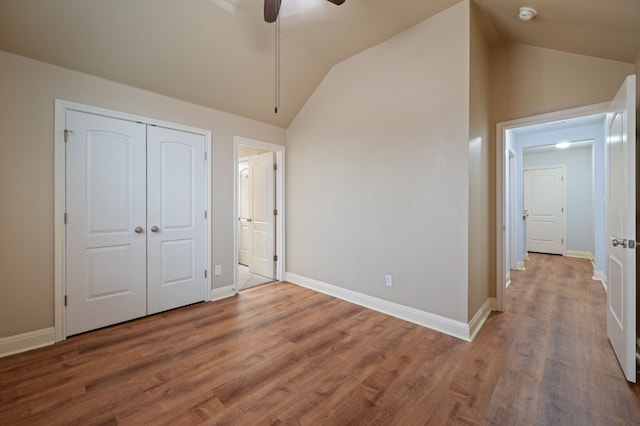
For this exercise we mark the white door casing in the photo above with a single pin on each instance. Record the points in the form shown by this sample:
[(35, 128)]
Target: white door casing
[(621, 295), (176, 243), (262, 193), (544, 201), (105, 203), (245, 232)]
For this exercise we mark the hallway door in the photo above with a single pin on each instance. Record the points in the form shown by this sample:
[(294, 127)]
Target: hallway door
[(544, 202), (621, 229)]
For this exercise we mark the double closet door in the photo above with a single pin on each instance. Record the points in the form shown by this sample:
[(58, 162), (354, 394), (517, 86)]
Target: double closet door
[(135, 220)]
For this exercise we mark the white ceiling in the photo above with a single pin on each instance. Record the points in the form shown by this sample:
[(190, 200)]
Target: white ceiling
[(220, 53)]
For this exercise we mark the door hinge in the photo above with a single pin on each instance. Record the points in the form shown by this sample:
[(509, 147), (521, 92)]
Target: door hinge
[(66, 218), (275, 166), (275, 212), (205, 214), (275, 257), (65, 300), (205, 273), (66, 134), (205, 156)]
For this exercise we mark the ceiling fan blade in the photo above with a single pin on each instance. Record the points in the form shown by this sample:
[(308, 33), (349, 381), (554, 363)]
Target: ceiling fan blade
[(271, 9), (338, 2)]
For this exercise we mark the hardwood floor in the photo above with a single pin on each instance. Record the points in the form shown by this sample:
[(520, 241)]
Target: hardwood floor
[(281, 354)]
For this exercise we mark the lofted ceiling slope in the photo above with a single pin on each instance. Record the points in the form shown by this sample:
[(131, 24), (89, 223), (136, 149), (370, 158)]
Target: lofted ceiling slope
[(220, 53)]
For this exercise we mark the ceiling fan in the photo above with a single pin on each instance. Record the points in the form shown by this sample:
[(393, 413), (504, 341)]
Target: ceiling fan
[(272, 7)]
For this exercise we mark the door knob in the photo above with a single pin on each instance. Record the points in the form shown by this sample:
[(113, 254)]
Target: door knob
[(155, 229), (621, 242), (139, 230)]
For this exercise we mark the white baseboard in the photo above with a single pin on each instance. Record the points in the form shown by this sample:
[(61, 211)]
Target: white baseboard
[(439, 323), (599, 276), (520, 266), (579, 254), (222, 292), (508, 284), (27, 341), (481, 316)]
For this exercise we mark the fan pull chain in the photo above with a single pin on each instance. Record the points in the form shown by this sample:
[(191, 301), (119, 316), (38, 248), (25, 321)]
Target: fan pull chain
[(277, 65)]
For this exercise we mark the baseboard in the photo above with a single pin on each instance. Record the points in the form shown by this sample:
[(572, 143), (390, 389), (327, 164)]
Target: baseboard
[(599, 276), (481, 316), (508, 284), (439, 323), (222, 292), (520, 266), (27, 341), (579, 254)]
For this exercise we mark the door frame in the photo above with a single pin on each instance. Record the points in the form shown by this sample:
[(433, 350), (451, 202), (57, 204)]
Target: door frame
[(502, 158), (60, 242), (279, 158)]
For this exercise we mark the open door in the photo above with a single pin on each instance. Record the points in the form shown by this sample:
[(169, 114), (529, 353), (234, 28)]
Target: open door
[(262, 193), (621, 229)]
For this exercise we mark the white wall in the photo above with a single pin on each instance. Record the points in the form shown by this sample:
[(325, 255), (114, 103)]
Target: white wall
[(28, 89), (377, 171)]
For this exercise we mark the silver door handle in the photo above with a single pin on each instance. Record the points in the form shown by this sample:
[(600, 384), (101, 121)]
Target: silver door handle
[(621, 242), (155, 229), (139, 230)]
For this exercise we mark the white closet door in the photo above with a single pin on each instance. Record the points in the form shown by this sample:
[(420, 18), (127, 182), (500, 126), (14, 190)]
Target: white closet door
[(176, 243), (106, 204)]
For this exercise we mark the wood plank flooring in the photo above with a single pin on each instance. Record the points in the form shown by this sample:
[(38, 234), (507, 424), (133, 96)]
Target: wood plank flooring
[(281, 354)]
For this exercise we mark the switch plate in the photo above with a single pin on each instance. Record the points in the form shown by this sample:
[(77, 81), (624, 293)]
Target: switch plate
[(388, 279), (218, 270)]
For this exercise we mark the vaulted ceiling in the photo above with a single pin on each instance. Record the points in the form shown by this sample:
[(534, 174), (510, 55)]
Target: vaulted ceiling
[(220, 53)]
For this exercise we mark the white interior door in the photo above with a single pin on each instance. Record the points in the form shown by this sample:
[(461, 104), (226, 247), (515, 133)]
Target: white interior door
[(621, 295), (245, 232), (544, 202), (176, 242), (105, 232), (262, 190)]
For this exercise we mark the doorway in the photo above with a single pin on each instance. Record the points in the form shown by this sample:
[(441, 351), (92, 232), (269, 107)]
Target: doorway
[(259, 207), (510, 205)]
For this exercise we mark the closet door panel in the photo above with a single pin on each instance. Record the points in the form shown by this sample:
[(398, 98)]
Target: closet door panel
[(106, 202), (176, 242)]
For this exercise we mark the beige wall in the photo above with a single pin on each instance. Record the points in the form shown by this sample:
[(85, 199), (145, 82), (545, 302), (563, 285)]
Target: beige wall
[(529, 80), (28, 89), (377, 171), (481, 260)]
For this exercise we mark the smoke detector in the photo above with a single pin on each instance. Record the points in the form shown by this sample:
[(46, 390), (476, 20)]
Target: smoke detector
[(527, 13)]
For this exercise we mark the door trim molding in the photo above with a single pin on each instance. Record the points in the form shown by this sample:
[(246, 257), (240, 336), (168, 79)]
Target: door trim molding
[(61, 108), (501, 158), (280, 251)]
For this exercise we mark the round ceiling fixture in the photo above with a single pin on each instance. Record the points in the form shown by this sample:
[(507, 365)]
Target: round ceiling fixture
[(527, 13)]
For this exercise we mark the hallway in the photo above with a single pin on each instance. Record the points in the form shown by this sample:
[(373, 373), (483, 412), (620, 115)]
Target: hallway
[(561, 368)]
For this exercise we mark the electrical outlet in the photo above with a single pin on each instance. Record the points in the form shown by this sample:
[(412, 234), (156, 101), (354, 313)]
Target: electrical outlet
[(388, 279), (218, 270)]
